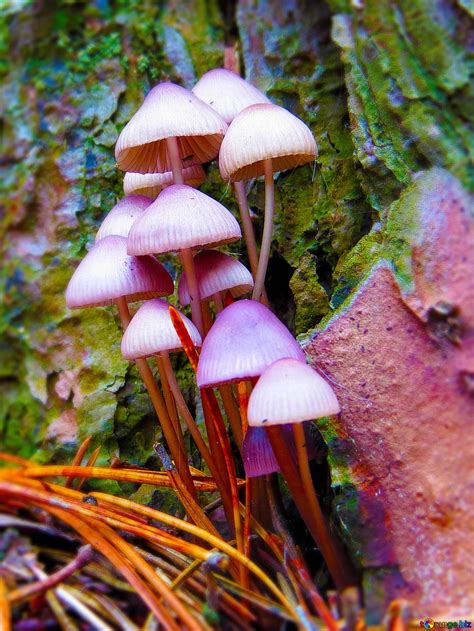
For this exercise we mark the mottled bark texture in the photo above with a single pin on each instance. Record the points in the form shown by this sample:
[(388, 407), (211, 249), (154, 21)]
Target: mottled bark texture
[(385, 86)]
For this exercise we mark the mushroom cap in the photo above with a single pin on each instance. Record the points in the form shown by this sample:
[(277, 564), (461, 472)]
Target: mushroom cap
[(216, 271), (151, 184), (151, 331), (257, 453), (182, 217), (169, 111), (290, 392), (227, 93), (260, 132), (244, 340), (119, 220), (107, 273)]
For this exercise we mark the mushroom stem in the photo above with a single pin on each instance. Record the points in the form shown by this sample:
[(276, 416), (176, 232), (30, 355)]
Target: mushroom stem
[(267, 231), (176, 163), (232, 413), (187, 262), (218, 302), (169, 400), (194, 430), (156, 397), (186, 254), (206, 316), (311, 512), (249, 234)]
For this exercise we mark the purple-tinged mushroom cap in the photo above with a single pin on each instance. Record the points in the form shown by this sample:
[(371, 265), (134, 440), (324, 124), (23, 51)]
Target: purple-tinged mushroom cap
[(122, 216), (169, 111), (257, 452), (290, 391), (261, 132), (244, 340), (182, 217), (107, 273), (151, 184), (215, 272), (227, 93), (151, 331)]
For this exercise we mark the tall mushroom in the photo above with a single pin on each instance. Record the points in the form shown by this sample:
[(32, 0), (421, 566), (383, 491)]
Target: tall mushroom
[(109, 275), (172, 129), (290, 392), (261, 140), (151, 332), (228, 94), (180, 219), (151, 184)]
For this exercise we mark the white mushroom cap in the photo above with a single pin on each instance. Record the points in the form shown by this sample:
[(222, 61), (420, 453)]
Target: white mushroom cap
[(169, 111), (151, 331), (260, 132), (227, 93), (290, 391), (182, 217), (151, 184)]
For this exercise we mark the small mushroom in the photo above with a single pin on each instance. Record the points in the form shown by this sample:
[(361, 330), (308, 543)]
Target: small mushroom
[(290, 392), (227, 93), (151, 184), (151, 332), (245, 339), (182, 218), (122, 216), (216, 272), (108, 274), (261, 140), (172, 129)]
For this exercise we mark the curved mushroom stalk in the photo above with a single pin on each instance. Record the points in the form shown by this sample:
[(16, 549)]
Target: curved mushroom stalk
[(267, 231)]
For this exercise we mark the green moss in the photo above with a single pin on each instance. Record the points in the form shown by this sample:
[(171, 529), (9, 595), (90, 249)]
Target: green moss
[(310, 298)]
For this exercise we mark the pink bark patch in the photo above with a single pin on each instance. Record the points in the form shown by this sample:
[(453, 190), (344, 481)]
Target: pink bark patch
[(403, 369)]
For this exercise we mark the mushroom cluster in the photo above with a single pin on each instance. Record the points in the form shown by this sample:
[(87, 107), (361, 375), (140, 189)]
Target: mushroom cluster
[(266, 390)]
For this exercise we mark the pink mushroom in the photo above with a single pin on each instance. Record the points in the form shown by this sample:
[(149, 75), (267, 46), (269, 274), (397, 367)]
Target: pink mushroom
[(172, 129), (182, 218), (151, 332), (228, 94), (120, 219), (151, 184), (245, 339), (108, 275), (289, 391), (216, 272), (262, 139)]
